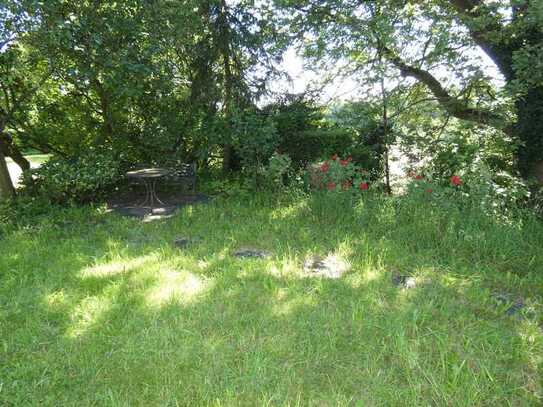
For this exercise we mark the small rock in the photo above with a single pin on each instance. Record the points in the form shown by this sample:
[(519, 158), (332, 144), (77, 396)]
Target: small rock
[(404, 281), (328, 267), (181, 242), (515, 304), (252, 253), (515, 308)]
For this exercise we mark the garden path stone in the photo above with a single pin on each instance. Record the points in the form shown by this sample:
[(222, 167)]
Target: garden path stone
[(404, 281), (331, 266), (515, 308), (251, 253), (182, 242), (516, 304)]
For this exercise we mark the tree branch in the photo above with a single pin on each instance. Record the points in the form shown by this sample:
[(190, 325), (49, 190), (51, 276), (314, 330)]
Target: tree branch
[(480, 23), (450, 103)]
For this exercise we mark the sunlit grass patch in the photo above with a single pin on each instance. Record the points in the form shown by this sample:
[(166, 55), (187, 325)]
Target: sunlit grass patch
[(88, 313), (178, 286), (118, 266)]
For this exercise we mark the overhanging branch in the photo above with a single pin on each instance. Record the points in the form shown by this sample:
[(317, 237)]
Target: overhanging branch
[(482, 24), (451, 104)]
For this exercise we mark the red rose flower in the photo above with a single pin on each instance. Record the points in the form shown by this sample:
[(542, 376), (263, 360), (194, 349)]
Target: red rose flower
[(331, 186), (334, 157), (456, 180), (419, 177), (325, 166), (429, 190), (363, 186), (343, 162)]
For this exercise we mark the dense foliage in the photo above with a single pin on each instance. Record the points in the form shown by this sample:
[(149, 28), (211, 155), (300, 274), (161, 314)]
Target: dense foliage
[(87, 177), (192, 81)]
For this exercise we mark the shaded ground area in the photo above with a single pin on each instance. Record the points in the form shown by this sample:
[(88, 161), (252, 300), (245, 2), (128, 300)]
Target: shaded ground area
[(127, 203)]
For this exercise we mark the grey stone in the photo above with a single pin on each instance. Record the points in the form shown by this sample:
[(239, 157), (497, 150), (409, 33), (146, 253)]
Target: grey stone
[(404, 281), (328, 267), (515, 308), (251, 253), (182, 242), (515, 304)]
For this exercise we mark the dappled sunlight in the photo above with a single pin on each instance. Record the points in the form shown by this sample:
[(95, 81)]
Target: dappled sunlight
[(133, 311), (284, 268), (118, 266), (286, 304), (89, 311), (290, 211), (172, 285), (369, 274), (57, 300)]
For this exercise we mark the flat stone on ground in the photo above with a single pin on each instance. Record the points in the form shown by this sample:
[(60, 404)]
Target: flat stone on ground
[(404, 281), (181, 242), (331, 266), (251, 253), (516, 304)]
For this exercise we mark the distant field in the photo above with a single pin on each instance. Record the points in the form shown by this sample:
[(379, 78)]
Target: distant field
[(35, 160)]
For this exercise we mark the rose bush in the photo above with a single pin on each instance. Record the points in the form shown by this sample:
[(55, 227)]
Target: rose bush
[(339, 175)]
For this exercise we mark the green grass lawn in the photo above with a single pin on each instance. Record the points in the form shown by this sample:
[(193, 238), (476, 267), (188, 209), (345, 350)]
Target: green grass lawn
[(96, 309)]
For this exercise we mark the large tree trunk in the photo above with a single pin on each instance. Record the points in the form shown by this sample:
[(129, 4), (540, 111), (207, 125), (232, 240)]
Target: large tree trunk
[(227, 158), (9, 149), (107, 130), (231, 160), (529, 130), (6, 186), (488, 32)]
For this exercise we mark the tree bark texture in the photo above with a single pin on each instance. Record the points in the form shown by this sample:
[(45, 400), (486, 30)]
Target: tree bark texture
[(6, 186)]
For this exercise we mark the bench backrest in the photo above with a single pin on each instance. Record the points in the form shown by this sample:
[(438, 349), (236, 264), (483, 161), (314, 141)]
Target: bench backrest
[(185, 170)]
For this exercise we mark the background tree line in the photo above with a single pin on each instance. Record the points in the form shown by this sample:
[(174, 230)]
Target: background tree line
[(150, 81)]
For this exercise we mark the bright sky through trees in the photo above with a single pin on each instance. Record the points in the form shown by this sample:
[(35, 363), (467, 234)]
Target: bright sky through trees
[(348, 87)]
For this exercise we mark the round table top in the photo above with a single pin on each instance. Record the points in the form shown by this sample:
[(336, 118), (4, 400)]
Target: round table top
[(148, 173)]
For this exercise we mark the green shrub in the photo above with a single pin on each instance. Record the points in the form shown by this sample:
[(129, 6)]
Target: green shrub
[(23, 211), (275, 173), (311, 145), (85, 178), (254, 138), (478, 188), (307, 135)]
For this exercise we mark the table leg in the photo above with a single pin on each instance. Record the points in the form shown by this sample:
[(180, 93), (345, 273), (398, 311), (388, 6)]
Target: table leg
[(154, 197), (151, 196), (147, 199)]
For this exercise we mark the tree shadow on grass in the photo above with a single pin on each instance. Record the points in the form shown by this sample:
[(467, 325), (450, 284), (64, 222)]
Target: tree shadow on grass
[(261, 338), (132, 320)]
